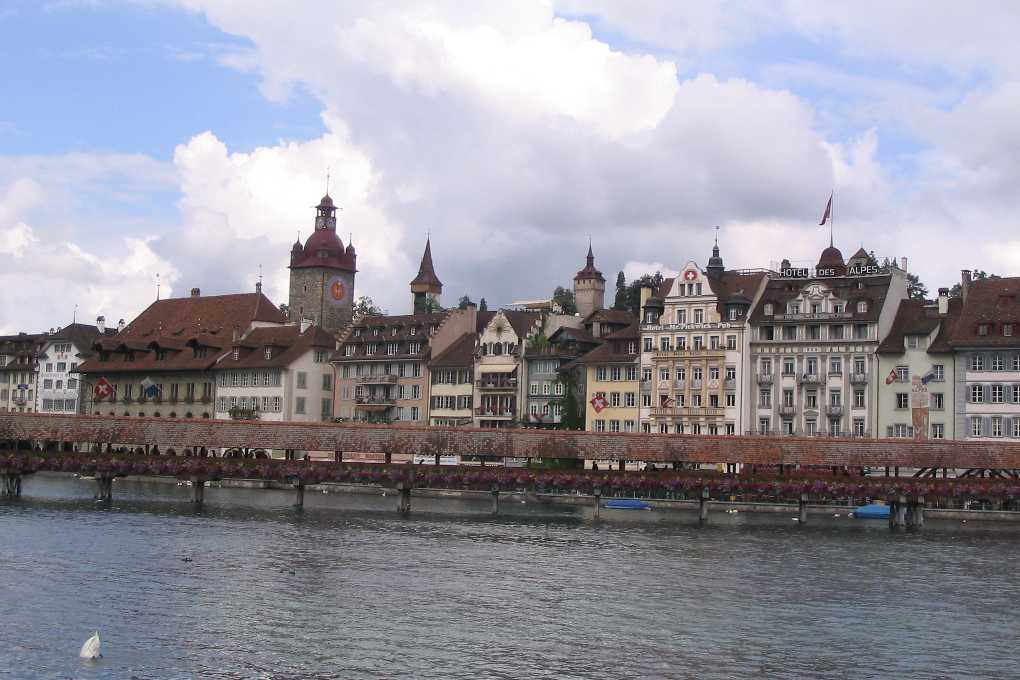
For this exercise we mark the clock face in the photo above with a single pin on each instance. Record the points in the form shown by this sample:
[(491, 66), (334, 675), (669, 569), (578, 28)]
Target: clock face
[(336, 291)]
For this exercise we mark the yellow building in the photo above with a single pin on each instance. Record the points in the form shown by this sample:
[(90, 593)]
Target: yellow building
[(613, 383)]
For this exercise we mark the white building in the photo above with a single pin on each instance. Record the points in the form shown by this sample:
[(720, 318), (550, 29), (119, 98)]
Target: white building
[(277, 373), (60, 383)]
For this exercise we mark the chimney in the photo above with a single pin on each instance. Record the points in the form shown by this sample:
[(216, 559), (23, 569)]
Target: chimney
[(258, 287), (236, 335), (964, 283), (101, 324), (903, 263), (195, 292), (305, 324), (120, 325), (472, 314), (943, 301), (646, 292)]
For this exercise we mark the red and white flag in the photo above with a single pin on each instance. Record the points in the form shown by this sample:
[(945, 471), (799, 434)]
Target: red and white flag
[(599, 402), (104, 390), (828, 212), (891, 378)]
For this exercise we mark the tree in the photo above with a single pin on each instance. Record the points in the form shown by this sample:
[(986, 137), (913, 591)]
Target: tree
[(915, 289), (432, 305), (464, 302), (483, 306), (564, 297), (620, 302), (654, 281), (571, 413), (365, 306)]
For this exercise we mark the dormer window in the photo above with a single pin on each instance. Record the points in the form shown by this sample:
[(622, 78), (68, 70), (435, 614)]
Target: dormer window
[(394, 331), (375, 331), (862, 307), (733, 313), (357, 332), (160, 355), (414, 330), (983, 328), (631, 347), (349, 350), (793, 308), (768, 309), (268, 353), (837, 308), (235, 354), (1007, 329)]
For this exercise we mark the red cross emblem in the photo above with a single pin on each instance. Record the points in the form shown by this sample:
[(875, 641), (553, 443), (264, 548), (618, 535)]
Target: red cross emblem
[(599, 402), (690, 274), (104, 390)]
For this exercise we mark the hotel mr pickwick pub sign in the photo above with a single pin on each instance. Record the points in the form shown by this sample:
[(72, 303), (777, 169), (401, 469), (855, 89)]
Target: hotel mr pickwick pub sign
[(829, 272)]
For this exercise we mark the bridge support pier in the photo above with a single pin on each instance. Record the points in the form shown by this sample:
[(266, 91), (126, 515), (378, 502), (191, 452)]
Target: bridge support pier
[(703, 506), (197, 490), (104, 489), (598, 502), (802, 509), (898, 513), (299, 495), (495, 501), (404, 499), (915, 514), (10, 485)]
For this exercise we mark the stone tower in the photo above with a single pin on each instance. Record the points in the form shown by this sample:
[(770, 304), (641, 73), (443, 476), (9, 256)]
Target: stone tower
[(426, 286), (322, 274), (589, 288)]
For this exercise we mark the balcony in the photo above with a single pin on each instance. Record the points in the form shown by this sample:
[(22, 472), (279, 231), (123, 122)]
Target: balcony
[(836, 374), (493, 413), (679, 385), (687, 411), (690, 353), (809, 379), (730, 383), (788, 410), (858, 378), (381, 379), (834, 409), (373, 403), (508, 385), (765, 378)]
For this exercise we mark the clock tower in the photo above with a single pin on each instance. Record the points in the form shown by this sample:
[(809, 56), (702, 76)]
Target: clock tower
[(322, 274), (589, 288)]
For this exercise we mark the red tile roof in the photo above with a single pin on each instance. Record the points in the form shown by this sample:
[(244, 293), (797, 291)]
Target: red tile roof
[(285, 343), (460, 354), (916, 317), (991, 303)]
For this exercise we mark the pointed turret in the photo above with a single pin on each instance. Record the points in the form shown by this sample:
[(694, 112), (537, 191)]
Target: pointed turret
[(426, 286), (589, 287)]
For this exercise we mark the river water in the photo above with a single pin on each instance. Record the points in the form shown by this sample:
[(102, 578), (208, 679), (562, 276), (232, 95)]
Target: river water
[(348, 589)]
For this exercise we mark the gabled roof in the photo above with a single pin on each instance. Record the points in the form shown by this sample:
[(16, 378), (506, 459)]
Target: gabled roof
[(917, 317), (426, 272), (610, 316), (522, 322), (460, 354), (874, 290), (614, 347), (81, 335), (993, 303), (285, 343), (379, 330)]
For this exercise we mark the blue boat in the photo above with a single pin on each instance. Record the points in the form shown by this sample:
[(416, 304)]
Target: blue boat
[(873, 511), (626, 504)]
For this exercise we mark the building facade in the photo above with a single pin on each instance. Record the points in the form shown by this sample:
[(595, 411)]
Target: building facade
[(693, 350), (813, 342), (19, 356), (613, 383), (60, 386), (916, 371), (987, 345), (589, 288), (545, 361), (322, 274), (161, 364), (500, 370), (276, 373)]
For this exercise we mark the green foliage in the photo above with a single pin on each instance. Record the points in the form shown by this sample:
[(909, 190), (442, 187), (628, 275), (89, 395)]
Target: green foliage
[(571, 411), (464, 302), (620, 301), (564, 297), (365, 306), (915, 289), (654, 281), (483, 306)]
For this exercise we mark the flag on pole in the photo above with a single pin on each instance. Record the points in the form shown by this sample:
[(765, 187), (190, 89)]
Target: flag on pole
[(149, 388), (928, 377), (828, 212), (599, 402), (891, 378), (103, 389)]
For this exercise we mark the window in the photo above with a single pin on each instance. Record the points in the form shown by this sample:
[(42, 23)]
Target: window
[(899, 430), (789, 332), (787, 397), (1016, 394), (628, 426), (699, 342), (860, 331), (713, 342), (1016, 362), (629, 399), (663, 375), (533, 389), (765, 366), (789, 366), (327, 382), (733, 313), (836, 332), (647, 347), (977, 362), (862, 307), (600, 426), (1016, 428), (859, 427), (614, 425), (902, 374), (835, 366), (938, 431), (765, 399), (811, 399), (996, 394), (302, 382), (977, 394), (939, 372), (814, 332), (976, 429), (299, 405), (1007, 329), (614, 399), (327, 409), (996, 426), (764, 425), (937, 401), (731, 399), (902, 400), (546, 388), (713, 372), (699, 315), (998, 363), (835, 398), (858, 398), (983, 329), (614, 373), (912, 341), (600, 373), (768, 309), (731, 342), (646, 400), (812, 366)]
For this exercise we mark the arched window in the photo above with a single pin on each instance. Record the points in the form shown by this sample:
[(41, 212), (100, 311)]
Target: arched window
[(862, 306)]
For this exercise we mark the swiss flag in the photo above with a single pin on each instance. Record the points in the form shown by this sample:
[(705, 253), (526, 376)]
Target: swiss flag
[(599, 402), (103, 390)]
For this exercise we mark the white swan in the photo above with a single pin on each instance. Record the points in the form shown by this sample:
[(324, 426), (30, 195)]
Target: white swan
[(90, 650)]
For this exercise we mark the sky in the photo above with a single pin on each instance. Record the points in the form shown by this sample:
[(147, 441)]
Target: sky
[(186, 141)]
